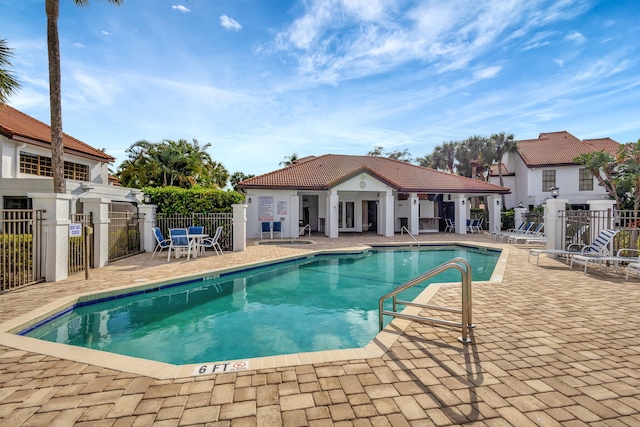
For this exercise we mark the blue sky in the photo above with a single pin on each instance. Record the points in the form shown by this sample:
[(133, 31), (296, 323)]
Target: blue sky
[(260, 80)]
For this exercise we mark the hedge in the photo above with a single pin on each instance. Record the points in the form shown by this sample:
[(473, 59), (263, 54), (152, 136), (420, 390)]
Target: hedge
[(181, 201)]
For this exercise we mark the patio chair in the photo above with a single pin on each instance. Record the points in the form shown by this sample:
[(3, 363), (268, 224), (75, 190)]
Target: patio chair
[(195, 229), (615, 260), (266, 228), (450, 225), (527, 235), (598, 247), (161, 242), (633, 267), (517, 232), (212, 242), (277, 228), (179, 242), (494, 234)]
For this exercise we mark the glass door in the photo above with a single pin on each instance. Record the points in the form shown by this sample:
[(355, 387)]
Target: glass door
[(347, 216)]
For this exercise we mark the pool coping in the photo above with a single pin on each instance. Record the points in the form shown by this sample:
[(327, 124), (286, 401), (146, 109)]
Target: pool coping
[(377, 347)]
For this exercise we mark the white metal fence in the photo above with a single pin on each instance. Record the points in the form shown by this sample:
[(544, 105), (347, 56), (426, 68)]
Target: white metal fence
[(21, 248)]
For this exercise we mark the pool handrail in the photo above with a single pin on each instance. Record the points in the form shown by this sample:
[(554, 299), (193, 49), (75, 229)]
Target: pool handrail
[(460, 264), (301, 233), (404, 227)]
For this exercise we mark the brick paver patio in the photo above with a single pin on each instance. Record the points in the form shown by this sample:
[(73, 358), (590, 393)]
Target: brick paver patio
[(551, 347)]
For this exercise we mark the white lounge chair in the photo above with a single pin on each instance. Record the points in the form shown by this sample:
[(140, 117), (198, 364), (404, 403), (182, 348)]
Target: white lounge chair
[(450, 225), (634, 268), (518, 232), (494, 234), (598, 247), (161, 242), (615, 260), (537, 232)]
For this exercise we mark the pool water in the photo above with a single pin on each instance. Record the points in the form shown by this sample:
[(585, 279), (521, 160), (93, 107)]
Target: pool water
[(319, 303)]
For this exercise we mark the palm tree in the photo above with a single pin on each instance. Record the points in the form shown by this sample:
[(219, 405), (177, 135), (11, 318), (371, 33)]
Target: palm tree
[(289, 160), (502, 144), (8, 83), (52, 8), (442, 158)]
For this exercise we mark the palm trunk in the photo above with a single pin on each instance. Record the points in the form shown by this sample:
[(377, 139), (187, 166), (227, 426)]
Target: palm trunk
[(57, 162), (501, 182)]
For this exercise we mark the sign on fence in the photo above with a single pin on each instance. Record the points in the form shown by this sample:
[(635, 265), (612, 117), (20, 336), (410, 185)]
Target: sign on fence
[(75, 230)]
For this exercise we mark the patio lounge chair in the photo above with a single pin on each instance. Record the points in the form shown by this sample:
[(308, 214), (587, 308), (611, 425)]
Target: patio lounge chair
[(537, 232), (527, 226), (161, 242), (598, 247), (494, 234), (634, 268), (179, 242), (615, 260), (212, 242)]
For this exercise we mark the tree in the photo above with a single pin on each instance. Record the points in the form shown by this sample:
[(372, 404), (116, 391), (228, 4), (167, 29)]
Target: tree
[(502, 145), (442, 158), (629, 168), (403, 156), (474, 157), (289, 160), (8, 83), (603, 167), (52, 8), (236, 178), (376, 152), (171, 163)]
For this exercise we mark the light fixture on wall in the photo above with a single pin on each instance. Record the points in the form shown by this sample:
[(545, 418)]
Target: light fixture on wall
[(462, 202), (555, 192), (520, 205), (498, 202), (415, 201), (248, 199)]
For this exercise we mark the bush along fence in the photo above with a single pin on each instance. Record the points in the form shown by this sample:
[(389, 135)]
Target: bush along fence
[(20, 249)]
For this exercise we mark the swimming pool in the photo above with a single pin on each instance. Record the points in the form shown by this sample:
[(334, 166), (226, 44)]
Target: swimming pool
[(308, 304)]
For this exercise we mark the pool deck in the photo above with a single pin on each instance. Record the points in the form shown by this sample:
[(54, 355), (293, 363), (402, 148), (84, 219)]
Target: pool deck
[(551, 347)]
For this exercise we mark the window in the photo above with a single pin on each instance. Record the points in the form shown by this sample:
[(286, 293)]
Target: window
[(548, 179), (585, 180), (34, 164)]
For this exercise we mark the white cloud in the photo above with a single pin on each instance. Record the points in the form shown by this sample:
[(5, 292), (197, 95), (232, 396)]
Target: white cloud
[(79, 45), (560, 62), (230, 23), (487, 73), (105, 33), (180, 8), (576, 37)]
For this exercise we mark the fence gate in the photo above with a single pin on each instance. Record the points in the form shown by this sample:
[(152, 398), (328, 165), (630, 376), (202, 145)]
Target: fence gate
[(76, 242), (210, 221), (124, 234), (21, 249)]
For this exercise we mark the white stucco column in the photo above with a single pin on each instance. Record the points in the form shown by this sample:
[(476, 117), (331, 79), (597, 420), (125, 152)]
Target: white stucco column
[(294, 216), (99, 207), (56, 233), (239, 227), (414, 223), (147, 239), (387, 203), (601, 221), (494, 203), (553, 222), (518, 216), (332, 215), (460, 203)]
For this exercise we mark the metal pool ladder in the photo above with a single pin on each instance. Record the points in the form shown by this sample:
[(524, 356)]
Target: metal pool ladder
[(460, 264), (412, 236)]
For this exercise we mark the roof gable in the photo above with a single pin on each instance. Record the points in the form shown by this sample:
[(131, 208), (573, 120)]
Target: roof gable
[(560, 148), (15, 124), (327, 171)]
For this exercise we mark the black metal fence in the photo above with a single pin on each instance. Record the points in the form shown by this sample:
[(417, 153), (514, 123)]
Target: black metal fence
[(210, 222), (21, 249), (124, 234)]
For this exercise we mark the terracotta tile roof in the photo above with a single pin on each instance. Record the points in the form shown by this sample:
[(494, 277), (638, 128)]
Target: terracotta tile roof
[(560, 148), (17, 125), (493, 171), (324, 172)]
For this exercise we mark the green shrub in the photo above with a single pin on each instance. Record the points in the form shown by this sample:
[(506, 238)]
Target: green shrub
[(181, 201)]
